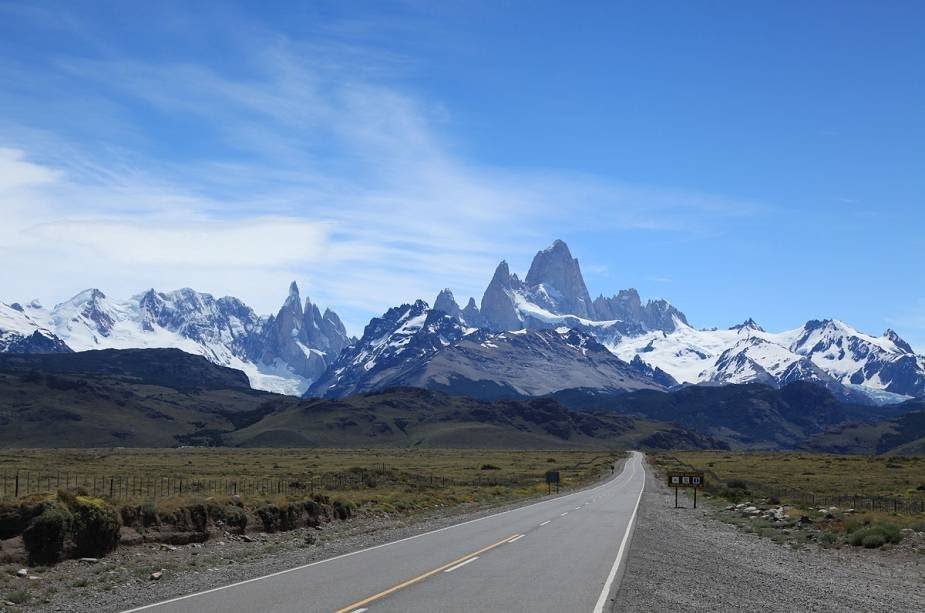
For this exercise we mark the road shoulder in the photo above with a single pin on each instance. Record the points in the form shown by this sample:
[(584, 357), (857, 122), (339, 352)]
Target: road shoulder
[(683, 559)]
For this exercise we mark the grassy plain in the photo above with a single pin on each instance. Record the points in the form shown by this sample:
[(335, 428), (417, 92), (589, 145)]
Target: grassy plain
[(821, 474), (391, 479), (848, 499)]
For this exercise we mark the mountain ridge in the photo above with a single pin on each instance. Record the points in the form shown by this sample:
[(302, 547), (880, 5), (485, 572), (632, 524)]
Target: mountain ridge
[(298, 346)]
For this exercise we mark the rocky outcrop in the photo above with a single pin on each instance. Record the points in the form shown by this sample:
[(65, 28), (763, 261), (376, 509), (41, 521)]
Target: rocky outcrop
[(555, 282)]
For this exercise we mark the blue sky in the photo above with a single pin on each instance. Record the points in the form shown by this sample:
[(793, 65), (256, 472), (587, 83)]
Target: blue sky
[(738, 159)]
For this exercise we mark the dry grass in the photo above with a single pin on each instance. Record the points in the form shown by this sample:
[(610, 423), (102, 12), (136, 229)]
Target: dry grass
[(822, 474), (391, 490)]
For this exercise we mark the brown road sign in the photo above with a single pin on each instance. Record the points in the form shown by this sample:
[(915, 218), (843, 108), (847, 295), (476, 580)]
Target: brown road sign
[(685, 479)]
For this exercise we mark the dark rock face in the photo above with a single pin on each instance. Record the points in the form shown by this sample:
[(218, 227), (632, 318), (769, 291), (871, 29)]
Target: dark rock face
[(897, 371), (446, 303), (554, 291), (412, 345), (656, 374), (200, 317), (472, 316), (301, 338), (499, 311), (556, 282), (37, 342), (627, 306)]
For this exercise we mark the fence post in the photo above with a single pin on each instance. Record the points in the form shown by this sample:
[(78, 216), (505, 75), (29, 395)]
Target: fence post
[(17, 484)]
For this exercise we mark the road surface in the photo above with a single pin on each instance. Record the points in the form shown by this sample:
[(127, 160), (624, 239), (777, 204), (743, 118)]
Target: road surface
[(564, 554)]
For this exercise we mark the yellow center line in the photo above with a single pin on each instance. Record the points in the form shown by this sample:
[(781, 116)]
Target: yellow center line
[(421, 577)]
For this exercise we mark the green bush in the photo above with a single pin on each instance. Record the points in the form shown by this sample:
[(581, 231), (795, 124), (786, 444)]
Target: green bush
[(95, 527), (192, 517), (45, 535), (875, 535), (872, 541)]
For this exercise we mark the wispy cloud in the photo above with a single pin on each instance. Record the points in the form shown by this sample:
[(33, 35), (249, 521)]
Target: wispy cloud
[(306, 161)]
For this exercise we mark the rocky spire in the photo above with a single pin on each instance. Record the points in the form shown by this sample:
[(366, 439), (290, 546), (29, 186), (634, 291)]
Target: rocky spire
[(555, 268), (447, 303), (498, 311), (897, 340)]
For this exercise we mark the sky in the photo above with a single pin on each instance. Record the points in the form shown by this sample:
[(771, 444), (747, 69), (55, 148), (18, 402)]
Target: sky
[(739, 159)]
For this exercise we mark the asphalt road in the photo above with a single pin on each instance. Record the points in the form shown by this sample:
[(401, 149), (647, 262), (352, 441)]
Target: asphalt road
[(564, 554)]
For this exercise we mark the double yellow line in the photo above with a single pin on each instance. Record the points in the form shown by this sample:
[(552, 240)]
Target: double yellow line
[(430, 573)]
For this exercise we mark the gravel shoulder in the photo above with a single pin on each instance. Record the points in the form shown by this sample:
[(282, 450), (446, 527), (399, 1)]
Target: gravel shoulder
[(123, 581), (685, 559)]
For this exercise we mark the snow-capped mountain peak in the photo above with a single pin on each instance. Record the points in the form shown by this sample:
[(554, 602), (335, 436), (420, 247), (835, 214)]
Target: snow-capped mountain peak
[(749, 325), (284, 353)]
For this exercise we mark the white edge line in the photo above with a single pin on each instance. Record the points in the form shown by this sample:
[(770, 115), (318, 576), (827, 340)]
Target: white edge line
[(563, 514), (602, 599), (359, 551), (517, 538), (460, 565), (545, 522), (359, 610)]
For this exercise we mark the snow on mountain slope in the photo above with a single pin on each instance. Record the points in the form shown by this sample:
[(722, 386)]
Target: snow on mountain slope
[(20, 333), (413, 345), (225, 331), (822, 351)]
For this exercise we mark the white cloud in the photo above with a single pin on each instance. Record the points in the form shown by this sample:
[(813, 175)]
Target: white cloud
[(314, 167)]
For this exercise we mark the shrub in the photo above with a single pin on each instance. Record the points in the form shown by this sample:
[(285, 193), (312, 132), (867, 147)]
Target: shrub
[(289, 516), (269, 515), (235, 518), (872, 541), (490, 467), (95, 527), (737, 484), (875, 535), (343, 510), (44, 537), (192, 517), (148, 514), (312, 508)]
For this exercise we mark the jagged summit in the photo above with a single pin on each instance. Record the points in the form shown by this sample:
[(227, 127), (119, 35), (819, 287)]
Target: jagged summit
[(897, 340), (542, 324), (283, 352), (556, 282), (748, 324)]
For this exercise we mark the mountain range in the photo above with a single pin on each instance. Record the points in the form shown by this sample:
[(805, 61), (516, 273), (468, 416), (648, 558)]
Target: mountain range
[(169, 398), (532, 337), (282, 353)]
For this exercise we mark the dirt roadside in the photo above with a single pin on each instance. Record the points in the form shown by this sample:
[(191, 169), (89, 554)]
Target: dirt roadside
[(687, 560)]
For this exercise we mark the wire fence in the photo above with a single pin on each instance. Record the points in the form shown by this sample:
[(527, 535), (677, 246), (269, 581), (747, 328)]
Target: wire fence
[(22, 483)]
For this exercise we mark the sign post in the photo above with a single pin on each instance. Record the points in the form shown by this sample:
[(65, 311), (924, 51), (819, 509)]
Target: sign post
[(691, 479), (552, 477)]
